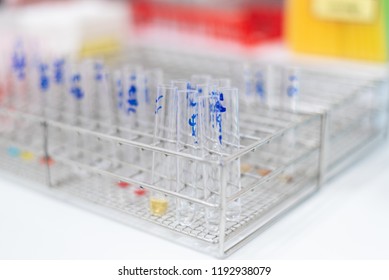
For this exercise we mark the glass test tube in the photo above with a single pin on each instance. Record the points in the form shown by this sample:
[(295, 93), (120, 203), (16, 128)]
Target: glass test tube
[(90, 100), (105, 114), (102, 87), (262, 83), (39, 92), (127, 90), (189, 173), (59, 83), (132, 82), (151, 79), (73, 94), (209, 138), (57, 101), (47, 80), (18, 96), (220, 133), (164, 171), (291, 91), (144, 88), (25, 86), (230, 144), (258, 82), (5, 121), (75, 98)]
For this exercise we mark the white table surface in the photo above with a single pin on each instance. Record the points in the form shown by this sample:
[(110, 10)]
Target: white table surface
[(348, 219)]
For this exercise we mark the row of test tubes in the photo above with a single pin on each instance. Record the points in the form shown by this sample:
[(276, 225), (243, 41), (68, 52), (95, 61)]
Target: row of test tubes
[(271, 86), (198, 117)]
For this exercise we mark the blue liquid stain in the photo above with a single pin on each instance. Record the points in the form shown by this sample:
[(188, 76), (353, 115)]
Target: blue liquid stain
[(75, 89), (44, 79), (58, 71), (19, 62)]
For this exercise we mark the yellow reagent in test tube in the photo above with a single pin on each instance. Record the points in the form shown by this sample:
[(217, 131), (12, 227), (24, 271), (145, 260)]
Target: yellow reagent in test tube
[(158, 206)]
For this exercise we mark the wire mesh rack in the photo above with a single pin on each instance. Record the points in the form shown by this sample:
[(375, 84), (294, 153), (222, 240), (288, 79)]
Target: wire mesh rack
[(284, 154), (273, 177), (355, 108)]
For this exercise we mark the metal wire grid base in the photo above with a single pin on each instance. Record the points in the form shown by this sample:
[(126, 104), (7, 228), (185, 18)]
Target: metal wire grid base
[(104, 191), (75, 176), (264, 195)]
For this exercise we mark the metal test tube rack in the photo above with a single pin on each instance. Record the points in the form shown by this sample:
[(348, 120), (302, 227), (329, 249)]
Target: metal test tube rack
[(264, 196), (272, 182)]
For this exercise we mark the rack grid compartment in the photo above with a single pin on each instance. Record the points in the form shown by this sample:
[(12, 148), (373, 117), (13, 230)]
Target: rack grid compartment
[(355, 108)]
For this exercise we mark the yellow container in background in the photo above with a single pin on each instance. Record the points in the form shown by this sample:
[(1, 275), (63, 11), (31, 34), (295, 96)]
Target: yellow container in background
[(345, 28)]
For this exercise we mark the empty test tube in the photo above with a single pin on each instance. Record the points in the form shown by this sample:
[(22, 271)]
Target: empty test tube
[(18, 95), (132, 82), (230, 144), (105, 100), (262, 75), (75, 98), (91, 77), (291, 91), (56, 100), (189, 173), (105, 113), (257, 83), (128, 87), (41, 88), (148, 93), (75, 95), (220, 133), (209, 138), (20, 91), (128, 83)]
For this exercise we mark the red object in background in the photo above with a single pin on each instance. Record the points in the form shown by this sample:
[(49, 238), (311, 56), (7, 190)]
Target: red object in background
[(249, 24)]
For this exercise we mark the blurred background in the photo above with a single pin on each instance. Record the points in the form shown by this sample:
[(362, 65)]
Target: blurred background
[(347, 29)]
